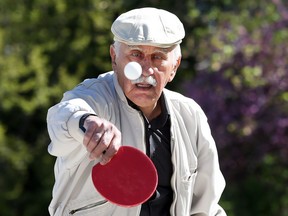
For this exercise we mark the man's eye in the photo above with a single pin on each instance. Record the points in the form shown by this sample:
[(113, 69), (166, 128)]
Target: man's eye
[(158, 57), (135, 54)]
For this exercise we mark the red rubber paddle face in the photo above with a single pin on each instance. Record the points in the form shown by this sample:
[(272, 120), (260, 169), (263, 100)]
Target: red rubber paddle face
[(129, 179)]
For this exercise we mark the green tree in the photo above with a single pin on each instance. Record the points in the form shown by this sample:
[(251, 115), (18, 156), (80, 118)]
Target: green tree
[(47, 47)]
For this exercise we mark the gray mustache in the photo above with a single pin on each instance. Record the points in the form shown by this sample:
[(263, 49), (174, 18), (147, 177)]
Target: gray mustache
[(149, 80)]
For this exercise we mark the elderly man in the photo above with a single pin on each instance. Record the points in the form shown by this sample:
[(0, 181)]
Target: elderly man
[(170, 128)]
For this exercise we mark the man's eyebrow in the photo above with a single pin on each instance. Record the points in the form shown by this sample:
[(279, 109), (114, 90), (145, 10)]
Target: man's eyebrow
[(134, 47), (158, 49)]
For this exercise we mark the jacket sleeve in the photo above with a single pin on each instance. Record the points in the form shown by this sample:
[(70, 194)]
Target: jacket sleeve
[(210, 182), (63, 127)]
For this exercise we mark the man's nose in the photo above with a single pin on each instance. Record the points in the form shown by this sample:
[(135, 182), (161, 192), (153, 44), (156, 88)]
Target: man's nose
[(147, 69)]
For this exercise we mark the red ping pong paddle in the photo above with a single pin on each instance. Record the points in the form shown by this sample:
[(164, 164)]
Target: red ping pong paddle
[(129, 179)]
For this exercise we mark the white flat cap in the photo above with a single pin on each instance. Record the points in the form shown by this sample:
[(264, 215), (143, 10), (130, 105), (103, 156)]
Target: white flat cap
[(148, 26)]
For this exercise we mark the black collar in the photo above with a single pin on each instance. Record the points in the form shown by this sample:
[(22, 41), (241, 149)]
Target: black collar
[(160, 120)]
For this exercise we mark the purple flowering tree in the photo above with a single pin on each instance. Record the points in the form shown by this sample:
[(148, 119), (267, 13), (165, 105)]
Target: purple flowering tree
[(241, 83)]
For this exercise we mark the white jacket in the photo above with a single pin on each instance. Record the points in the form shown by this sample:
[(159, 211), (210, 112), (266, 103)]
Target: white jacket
[(197, 181)]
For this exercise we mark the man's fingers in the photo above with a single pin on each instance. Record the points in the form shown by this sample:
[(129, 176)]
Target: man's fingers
[(94, 141), (111, 150), (101, 139), (92, 130), (99, 144)]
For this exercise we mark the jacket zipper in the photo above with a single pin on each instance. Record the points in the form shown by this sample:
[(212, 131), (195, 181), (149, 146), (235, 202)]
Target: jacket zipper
[(87, 207)]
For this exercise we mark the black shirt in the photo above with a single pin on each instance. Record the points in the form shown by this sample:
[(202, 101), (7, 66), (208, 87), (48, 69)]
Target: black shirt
[(158, 148)]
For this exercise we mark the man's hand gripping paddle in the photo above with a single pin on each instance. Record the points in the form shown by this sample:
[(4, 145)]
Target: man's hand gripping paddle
[(128, 180)]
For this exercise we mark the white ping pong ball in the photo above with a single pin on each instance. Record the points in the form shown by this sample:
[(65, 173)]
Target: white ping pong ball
[(133, 70)]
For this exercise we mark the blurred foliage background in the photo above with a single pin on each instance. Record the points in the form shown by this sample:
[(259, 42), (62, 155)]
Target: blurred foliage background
[(235, 64)]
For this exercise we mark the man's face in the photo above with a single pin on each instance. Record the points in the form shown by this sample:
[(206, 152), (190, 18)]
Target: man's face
[(160, 63)]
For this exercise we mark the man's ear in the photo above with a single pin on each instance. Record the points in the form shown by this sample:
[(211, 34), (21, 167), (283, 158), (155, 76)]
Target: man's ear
[(113, 55), (173, 73)]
